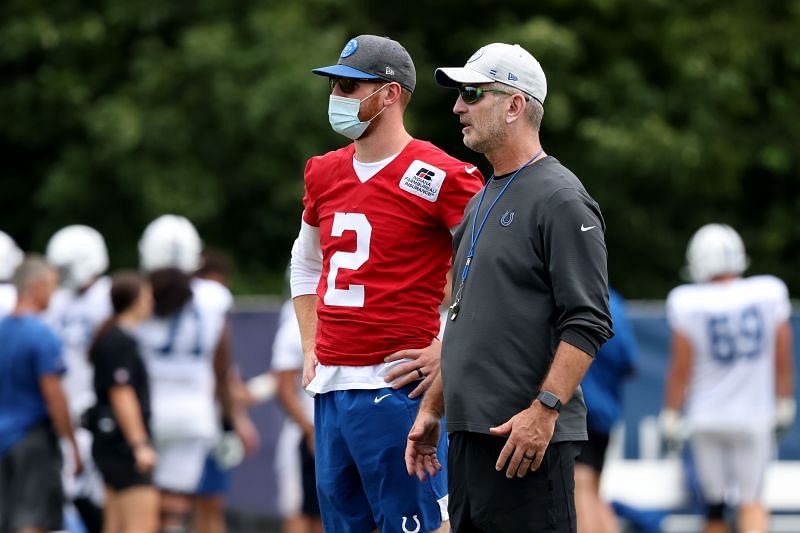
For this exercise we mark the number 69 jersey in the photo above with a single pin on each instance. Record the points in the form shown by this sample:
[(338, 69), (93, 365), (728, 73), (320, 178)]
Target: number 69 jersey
[(731, 327), (386, 249)]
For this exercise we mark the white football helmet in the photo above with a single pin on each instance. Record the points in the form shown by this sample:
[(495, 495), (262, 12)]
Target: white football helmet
[(10, 256), (170, 241), (713, 250), (79, 253)]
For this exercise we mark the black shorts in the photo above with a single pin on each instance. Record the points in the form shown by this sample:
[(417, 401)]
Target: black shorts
[(114, 459), (30, 483), (483, 499), (309, 475), (593, 453)]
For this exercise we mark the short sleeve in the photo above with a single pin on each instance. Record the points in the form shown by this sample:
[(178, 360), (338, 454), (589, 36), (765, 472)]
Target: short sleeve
[(310, 215), (287, 349), (48, 357), (460, 185), (115, 361)]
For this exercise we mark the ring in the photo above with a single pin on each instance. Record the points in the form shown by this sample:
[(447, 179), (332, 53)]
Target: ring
[(528, 457), (421, 375)]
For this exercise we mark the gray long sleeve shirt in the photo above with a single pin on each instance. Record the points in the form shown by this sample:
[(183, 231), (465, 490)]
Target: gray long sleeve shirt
[(538, 276)]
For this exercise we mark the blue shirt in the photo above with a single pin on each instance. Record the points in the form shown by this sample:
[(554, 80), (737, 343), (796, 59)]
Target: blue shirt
[(28, 351), (602, 384)]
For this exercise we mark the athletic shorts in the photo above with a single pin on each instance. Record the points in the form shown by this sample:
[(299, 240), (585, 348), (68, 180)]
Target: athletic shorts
[(362, 481), (732, 459), (180, 464), (215, 480), (31, 495), (288, 474), (117, 465), (593, 452), (483, 499)]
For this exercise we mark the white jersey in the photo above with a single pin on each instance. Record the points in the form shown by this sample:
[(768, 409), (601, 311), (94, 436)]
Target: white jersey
[(75, 317), (287, 352), (179, 353), (731, 327), (8, 299)]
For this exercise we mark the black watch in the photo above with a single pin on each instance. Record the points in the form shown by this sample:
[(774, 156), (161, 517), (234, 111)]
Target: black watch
[(550, 400)]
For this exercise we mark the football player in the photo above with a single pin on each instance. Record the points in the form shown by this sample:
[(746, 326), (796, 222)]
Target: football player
[(368, 272), (80, 305), (10, 258), (185, 347), (730, 374)]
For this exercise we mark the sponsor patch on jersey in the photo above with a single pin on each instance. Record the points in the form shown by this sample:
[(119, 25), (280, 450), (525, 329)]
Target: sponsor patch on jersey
[(423, 179)]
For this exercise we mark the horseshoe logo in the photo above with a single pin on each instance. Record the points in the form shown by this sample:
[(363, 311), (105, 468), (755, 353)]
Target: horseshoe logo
[(406, 530), (507, 218)]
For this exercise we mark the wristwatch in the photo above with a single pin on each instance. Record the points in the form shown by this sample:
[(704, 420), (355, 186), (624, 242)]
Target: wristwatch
[(550, 400)]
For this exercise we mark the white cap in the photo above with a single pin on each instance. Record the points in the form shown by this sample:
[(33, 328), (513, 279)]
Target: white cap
[(499, 62)]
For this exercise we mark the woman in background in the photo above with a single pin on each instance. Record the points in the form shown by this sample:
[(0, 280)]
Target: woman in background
[(122, 448)]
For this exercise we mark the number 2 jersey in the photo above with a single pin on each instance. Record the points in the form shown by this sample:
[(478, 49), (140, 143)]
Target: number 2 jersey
[(732, 328), (386, 249)]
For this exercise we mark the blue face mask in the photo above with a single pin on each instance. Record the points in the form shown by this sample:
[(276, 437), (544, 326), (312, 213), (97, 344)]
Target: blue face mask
[(343, 115)]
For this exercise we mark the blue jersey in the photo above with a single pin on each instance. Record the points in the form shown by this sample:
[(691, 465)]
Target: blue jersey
[(28, 351), (602, 384)]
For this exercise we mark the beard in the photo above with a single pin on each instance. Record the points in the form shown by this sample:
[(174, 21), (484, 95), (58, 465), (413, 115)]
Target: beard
[(488, 131)]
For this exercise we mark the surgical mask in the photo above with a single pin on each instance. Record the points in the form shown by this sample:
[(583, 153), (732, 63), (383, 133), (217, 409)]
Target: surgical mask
[(343, 115)]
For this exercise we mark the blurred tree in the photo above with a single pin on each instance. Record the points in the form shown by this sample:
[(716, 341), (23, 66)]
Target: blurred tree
[(673, 114)]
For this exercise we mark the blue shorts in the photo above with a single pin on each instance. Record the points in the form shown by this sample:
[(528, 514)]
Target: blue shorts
[(362, 481), (215, 480)]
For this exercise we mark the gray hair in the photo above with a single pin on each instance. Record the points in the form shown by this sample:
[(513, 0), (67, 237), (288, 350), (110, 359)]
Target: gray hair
[(534, 110), (32, 269)]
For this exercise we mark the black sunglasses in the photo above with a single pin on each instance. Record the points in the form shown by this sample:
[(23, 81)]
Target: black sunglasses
[(347, 85), (471, 95)]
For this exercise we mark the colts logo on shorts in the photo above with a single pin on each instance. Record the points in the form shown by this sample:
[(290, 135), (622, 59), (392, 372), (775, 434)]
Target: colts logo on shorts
[(507, 218), (406, 530)]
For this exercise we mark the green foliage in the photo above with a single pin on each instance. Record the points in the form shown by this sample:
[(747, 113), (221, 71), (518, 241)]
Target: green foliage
[(673, 114)]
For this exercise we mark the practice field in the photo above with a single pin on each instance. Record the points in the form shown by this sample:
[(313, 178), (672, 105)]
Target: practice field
[(640, 475)]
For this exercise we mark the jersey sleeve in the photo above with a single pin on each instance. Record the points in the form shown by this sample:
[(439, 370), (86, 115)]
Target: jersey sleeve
[(677, 318), (783, 307), (310, 215), (575, 252), (115, 362), (460, 185), (47, 354), (287, 349)]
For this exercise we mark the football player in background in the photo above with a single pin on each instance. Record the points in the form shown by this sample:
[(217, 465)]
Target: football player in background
[(367, 274), (80, 305), (294, 455), (731, 374), (239, 435), (185, 348), (10, 258)]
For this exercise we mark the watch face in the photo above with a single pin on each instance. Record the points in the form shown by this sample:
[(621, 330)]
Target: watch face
[(550, 400)]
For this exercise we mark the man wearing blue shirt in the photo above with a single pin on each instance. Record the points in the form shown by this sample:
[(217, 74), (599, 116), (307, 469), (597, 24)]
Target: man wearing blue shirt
[(32, 406)]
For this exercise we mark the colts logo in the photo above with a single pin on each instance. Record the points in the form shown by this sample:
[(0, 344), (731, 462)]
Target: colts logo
[(507, 218), (406, 530)]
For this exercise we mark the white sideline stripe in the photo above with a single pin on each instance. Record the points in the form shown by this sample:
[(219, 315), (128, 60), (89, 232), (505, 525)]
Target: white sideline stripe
[(659, 484)]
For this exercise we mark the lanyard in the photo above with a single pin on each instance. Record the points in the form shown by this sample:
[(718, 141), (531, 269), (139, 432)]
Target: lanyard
[(474, 236)]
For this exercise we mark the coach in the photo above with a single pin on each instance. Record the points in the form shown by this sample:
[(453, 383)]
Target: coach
[(530, 309)]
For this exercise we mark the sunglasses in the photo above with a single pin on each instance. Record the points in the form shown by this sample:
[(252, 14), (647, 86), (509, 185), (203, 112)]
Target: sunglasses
[(347, 85), (471, 95)]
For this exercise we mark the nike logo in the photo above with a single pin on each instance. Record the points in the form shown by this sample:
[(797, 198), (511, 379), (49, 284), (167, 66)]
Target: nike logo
[(584, 228), (379, 399), (470, 170)]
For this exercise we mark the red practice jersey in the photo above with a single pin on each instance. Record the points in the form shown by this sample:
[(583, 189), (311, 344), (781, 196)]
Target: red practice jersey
[(386, 249)]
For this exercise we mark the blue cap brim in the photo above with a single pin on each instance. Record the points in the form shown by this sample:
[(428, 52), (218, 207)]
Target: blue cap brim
[(343, 71)]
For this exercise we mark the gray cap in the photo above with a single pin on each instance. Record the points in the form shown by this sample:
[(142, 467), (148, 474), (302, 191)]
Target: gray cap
[(369, 57), (499, 62)]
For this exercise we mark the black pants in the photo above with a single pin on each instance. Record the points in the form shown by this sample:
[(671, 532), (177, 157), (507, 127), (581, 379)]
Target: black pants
[(484, 500)]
